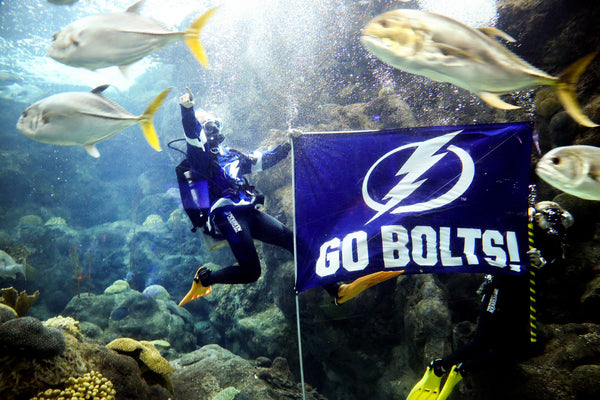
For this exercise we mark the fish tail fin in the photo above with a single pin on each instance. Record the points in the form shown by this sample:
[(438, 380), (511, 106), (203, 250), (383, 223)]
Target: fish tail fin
[(146, 120), (566, 87), (191, 36)]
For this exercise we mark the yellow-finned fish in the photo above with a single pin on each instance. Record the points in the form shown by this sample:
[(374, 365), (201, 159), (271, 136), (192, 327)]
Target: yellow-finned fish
[(84, 119), (447, 50), (120, 39), (572, 169)]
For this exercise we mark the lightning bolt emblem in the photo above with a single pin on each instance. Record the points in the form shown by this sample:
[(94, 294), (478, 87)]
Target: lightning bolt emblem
[(424, 157)]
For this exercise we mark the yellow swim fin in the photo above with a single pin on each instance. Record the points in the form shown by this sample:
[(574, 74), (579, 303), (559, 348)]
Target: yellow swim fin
[(192, 39), (351, 290), (427, 388), (453, 378), (197, 290), (566, 87), (146, 120)]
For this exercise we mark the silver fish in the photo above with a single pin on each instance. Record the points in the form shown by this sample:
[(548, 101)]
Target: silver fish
[(446, 50), (84, 119), (572, 169), (120, 39)]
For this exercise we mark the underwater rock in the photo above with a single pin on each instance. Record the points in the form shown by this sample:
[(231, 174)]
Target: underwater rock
[(157, 292), (117, 287), (565, 360), (427, 318), (211, 369), (136, 315), (264, 333), (27, 336), (590, 299), (586, 382)]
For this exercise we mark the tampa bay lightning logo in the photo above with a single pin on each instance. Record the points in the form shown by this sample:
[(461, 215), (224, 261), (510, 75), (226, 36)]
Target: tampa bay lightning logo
[(425, 155)]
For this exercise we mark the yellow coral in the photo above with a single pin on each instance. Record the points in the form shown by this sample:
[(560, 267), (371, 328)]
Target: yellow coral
[(149, 355), (154, 367), (20, 302), (56, 221), (89, 386), (68, 324)]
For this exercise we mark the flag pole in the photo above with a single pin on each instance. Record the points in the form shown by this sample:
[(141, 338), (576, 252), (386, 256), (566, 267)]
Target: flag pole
[(296, 279)]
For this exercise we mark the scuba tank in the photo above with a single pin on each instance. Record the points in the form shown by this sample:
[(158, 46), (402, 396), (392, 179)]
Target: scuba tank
[(194, 195)]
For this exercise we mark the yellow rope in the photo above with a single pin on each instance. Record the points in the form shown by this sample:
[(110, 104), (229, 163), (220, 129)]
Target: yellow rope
[(532, 301)]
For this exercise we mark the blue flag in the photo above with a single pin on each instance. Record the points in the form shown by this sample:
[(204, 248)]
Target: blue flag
[(421, 200)]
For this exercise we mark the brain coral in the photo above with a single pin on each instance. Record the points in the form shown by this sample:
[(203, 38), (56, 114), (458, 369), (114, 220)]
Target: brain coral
[(27, 336), (155, 369), (89, 386)]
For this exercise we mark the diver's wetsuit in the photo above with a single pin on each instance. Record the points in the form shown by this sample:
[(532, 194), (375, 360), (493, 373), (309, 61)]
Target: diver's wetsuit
[(231, 207), (502, 328), (502, 333)]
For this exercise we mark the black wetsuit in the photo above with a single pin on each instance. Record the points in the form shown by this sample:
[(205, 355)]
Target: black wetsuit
[(502, 329)]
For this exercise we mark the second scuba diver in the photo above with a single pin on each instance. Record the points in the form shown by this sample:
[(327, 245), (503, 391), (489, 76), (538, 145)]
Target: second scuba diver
[(216, 195), (502, 332)]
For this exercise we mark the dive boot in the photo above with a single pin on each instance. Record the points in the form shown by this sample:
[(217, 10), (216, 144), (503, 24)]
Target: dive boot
[(427, 388), (351, 290), (453, 378), (197, 290)]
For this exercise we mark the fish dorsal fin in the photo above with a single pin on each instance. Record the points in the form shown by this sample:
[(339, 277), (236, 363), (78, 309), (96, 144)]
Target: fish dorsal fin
[(99, 89), (495, 101), (92, 150), (455, 51), (494, 33), (136, 8)]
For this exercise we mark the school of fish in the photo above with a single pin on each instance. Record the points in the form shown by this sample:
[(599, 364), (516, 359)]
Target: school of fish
[(419, 42)]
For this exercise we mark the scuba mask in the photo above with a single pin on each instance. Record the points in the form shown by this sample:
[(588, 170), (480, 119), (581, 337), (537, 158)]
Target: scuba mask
[(214, 137)]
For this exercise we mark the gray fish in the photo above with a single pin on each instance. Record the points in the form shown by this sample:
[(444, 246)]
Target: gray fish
[(104, 40), (84, 119), (446, 50), (572, 169)]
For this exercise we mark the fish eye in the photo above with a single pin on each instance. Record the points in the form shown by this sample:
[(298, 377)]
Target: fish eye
[(555, 160), (24, 115), (54, 37)]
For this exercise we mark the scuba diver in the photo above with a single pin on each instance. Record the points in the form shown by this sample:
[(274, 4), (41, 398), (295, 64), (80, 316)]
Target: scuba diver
[(502, 331), (217, 197)]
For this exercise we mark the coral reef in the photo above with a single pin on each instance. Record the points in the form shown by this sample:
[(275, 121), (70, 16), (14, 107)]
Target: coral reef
[(29, 337), (65, 323), (91, 385), (20, 302)]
